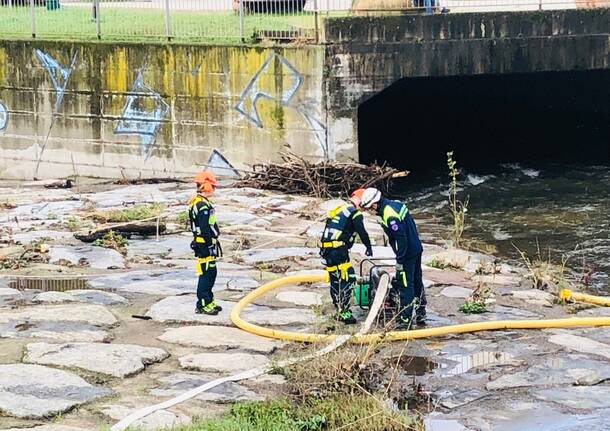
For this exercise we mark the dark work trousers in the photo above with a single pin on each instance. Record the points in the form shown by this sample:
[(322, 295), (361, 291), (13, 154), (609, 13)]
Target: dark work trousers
[(411, 287), (207, 278), (341, 282)]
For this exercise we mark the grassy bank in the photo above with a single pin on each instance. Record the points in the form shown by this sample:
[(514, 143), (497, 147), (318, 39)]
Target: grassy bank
[(340, 412), (131, 24)]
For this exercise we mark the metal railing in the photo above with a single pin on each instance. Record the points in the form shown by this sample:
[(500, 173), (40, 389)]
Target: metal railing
[(228, 21)]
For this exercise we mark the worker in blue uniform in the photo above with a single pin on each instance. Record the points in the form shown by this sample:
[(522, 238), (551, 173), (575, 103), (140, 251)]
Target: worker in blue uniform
[(401, 231), (344, 222)]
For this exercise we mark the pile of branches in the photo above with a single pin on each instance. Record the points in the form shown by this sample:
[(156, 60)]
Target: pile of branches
[(326, 179)]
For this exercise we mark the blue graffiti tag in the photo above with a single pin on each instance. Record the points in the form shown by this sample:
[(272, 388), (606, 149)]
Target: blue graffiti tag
[(247, 103), (3, 116), (143, 114), (58, 73)]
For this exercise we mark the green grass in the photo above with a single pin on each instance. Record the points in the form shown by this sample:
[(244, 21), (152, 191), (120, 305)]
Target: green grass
[(353, 413), (124, 24), (137, 212)]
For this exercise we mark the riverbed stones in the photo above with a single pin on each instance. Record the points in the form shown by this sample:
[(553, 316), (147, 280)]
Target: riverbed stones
[(581, 344), (179, 383), (456, 292), (577, 397), (34, 391), (271, 254), (218, 337), (566, 370), (300, 298), (92, 256), (5, 291), (47, 428), (97, 297), (159, 420), (221, 362), (534, 297), (51, 297), (174, 281), (85, 313), (117, 360), (176, 309)]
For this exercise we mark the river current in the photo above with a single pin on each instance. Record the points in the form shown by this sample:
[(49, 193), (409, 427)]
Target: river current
[(555, 210)]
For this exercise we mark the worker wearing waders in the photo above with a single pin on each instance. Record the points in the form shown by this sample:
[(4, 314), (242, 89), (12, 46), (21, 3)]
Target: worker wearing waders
[(342, 225), (401, 231), (205, 244)]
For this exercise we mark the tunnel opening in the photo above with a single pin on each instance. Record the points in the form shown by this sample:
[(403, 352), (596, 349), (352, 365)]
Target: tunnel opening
[(545, 117)]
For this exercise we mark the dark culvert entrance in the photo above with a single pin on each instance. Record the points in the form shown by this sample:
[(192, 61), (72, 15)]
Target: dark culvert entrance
[(538, 117)]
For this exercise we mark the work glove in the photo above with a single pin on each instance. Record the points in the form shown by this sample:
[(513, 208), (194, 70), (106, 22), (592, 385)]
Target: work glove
[(369, 251), (399, 267)]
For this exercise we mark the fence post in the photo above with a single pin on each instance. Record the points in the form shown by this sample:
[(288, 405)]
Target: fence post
[(98, 19), (316, 23), (168, 22), (242, 36), (33, 19)]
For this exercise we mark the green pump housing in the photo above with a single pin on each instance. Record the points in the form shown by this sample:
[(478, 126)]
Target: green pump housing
[(361, 294)]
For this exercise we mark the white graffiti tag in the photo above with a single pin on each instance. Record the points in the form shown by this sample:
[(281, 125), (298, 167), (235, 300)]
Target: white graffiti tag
[(255, 91), (143, 114)]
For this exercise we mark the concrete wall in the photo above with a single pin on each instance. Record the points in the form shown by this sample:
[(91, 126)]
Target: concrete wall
[(367, 54), (152, 110)]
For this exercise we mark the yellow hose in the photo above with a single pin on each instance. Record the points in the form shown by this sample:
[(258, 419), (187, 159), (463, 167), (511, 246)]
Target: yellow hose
[(407, 335), (567, 294)]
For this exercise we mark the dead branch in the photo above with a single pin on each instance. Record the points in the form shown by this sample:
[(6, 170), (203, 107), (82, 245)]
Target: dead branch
[(325, 179)]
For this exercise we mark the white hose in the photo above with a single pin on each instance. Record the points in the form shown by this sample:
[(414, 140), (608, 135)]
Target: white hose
[(384, 284)]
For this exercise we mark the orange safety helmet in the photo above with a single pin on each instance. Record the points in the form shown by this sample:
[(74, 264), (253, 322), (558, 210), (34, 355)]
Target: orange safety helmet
[(206, 181), (356, 196)]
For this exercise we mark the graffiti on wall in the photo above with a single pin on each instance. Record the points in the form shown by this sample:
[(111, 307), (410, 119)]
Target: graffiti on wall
[(256, 90), (220, 165), (142, 115), (59, 75), (3, 116)]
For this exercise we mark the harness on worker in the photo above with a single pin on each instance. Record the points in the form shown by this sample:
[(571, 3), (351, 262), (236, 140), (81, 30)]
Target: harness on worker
[(343, 269), (336, 233), (193, 213)]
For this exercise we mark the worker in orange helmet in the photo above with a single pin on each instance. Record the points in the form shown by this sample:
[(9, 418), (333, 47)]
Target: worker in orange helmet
[(202, 218), (342, 225)]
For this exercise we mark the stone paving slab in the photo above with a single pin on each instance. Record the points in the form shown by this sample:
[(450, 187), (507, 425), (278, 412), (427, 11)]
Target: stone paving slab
[(85, 313), (96, 257), (97, 297), (581, 344), (5, 291), (47, 428), (456, 292), (117, 360), (172, 282), (556, 370), (300, 298), (179, 383), (577, 397), (159, 420), (60, 331), (176, 309), (272, 254), (222, 362), (51, 297), (34, 391), (218, 336)]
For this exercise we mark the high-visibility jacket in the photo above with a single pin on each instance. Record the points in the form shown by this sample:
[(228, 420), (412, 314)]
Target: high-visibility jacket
[(202, 217), (400, 228), (342, 225)]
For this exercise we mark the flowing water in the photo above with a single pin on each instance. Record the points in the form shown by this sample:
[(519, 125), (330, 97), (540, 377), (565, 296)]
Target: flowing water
[(557, 209)]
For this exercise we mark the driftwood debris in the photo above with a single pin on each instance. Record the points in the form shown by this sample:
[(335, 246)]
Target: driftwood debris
[(323, 179), (126, 230)]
